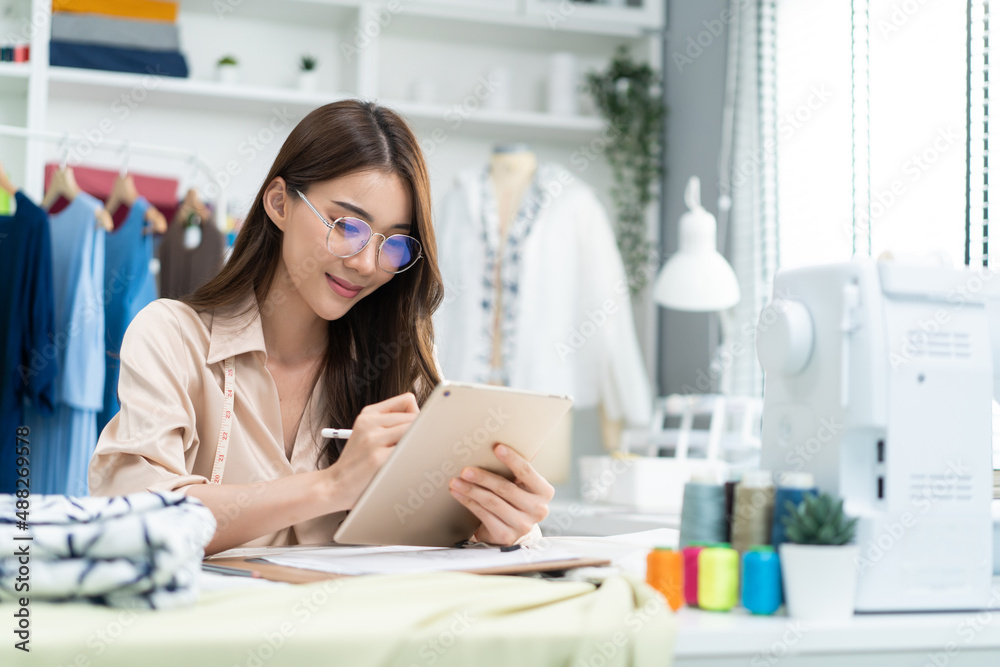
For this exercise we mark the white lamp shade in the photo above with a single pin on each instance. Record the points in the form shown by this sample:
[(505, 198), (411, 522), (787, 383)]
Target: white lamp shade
[(697, 282), (697, 278)]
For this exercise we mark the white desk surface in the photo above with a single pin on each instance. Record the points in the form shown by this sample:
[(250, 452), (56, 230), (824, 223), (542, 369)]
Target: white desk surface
[(709, 639), (713, 639)]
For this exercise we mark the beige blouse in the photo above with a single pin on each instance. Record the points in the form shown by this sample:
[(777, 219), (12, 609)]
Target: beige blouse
[(171, 390)]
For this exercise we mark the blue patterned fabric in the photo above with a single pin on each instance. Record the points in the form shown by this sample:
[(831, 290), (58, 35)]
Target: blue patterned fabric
[(141, 550), (503, 264)]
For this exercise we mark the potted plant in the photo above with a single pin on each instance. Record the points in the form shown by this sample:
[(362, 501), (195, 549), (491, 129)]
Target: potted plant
[(227, 69), (818, 565), (628, 95), (307, 73)]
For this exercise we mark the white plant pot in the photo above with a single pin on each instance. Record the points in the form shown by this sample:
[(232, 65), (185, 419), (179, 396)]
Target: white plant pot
[(820, 580), (308, 80), (227, 74)]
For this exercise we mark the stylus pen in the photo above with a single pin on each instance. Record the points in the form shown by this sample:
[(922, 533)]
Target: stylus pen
[(336, 433)]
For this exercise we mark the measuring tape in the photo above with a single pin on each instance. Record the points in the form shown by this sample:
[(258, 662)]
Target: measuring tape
[(227, 423)]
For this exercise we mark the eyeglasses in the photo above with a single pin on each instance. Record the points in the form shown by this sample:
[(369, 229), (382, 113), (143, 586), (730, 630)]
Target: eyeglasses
[(348, 236)]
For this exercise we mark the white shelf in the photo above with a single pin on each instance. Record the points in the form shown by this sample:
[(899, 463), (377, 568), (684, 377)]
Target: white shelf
[(499, 124), (14, 78), (69, 82), (548, 19)]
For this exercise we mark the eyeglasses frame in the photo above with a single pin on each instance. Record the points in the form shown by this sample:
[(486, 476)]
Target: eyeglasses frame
[(378, 250)]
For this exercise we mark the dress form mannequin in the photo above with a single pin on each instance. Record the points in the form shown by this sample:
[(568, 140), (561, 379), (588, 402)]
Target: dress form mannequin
[(512, 169)]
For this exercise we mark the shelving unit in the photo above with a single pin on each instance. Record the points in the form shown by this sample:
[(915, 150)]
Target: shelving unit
[(371, 49)]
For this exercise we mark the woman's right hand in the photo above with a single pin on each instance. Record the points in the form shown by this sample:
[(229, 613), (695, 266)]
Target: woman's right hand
[(376, 431)]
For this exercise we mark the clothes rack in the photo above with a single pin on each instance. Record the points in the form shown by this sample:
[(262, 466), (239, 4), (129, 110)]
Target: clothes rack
[(121, 145)]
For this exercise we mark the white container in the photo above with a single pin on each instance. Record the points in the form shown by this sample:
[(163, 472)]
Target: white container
[(227, 74), (820, 580), (645, 483), (562, 85), (308, 80), (493, 90)]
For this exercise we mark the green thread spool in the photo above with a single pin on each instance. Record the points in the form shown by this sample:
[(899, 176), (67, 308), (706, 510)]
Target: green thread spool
[(718, 578)]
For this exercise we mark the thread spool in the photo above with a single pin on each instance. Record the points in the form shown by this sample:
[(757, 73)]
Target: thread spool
[(690, 555), (665, 573), (753, 510), (718, 578), (792, 486), (761, 580), (730, 499), (703, 513)]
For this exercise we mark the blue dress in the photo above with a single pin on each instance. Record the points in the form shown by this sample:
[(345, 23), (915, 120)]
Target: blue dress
[(28, 354), (63, 442), (128, 287)]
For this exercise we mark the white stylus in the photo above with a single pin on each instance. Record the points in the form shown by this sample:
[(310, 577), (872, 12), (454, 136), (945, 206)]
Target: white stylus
[(336, 433)]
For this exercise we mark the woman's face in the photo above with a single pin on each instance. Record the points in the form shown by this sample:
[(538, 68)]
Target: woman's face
[(331, 285)]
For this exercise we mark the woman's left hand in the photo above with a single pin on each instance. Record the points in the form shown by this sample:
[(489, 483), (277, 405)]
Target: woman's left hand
[(508, 509)]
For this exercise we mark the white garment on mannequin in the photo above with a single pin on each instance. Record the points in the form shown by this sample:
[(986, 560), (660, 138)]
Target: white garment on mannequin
[(567, 318)]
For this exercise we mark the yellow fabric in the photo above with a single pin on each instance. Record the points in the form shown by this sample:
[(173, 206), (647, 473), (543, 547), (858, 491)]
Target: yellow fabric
[(153, 10), (398, 620)]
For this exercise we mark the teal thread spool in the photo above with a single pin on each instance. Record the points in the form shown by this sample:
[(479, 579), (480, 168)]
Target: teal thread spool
[(718, 578), (703, 513)]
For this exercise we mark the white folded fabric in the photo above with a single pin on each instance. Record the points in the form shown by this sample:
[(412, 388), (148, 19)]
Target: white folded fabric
[(144, 549)]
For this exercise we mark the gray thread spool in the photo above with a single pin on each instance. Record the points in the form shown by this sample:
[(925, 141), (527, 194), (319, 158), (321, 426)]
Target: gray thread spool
[(703, 513)]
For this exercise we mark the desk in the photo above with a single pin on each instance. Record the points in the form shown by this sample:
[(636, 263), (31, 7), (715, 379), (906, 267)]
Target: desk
[(707, 639)]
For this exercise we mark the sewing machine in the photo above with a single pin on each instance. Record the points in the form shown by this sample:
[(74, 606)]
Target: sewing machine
[(878, 381)]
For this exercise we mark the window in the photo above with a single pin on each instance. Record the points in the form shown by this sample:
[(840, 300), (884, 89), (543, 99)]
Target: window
[(849, 136)]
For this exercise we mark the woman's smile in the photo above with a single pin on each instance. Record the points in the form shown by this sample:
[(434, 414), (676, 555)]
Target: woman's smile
[(342, 287)]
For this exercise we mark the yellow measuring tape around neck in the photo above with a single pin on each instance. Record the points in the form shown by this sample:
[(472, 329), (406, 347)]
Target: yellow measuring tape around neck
[(227, 422)]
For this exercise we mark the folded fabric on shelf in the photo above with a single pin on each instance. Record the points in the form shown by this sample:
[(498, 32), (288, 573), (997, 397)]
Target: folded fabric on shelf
[(141, 550), (112, 31), (154, 10), (117, 59)]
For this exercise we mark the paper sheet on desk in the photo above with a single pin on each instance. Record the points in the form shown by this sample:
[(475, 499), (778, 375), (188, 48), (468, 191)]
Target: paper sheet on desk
[(410, 560)]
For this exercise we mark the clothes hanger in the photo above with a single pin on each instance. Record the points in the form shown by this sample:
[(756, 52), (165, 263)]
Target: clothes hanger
[(124, 193), (63, 185)]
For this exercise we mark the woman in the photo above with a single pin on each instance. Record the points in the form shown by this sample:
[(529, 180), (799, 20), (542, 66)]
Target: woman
[(323, 313)]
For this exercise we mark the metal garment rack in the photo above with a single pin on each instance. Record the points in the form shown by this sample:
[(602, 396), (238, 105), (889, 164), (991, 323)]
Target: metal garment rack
[(124, 146)]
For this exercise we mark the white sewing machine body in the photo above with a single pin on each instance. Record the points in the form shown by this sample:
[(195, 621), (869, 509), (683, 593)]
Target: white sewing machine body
[(878, 380)]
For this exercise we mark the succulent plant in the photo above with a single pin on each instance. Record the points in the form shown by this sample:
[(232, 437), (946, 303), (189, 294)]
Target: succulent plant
[(227, 60), (307, 63), (818, 520)]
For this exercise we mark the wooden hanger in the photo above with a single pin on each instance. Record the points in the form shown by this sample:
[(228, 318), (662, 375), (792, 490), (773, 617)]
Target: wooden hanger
[(63, 184), (192, 204), (124, 193)]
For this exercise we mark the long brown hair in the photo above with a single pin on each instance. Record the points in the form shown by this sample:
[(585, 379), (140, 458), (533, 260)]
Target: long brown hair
[(384, 345)]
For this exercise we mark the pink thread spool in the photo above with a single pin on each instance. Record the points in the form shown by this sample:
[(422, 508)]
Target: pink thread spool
[(691, 575)]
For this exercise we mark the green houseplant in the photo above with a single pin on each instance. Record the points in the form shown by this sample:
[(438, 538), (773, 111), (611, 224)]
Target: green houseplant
[(818, 563), (307, 73), (628, 96), (227, 69)]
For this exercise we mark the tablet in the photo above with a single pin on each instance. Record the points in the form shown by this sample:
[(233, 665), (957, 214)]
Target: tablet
[(408, 502)]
